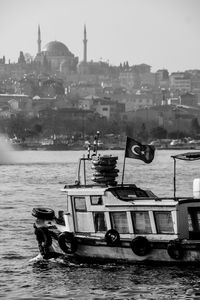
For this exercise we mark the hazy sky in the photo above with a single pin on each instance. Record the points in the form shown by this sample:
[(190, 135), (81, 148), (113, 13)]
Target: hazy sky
[(161, 33)]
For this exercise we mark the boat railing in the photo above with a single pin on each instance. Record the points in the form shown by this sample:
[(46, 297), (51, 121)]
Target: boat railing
[(159, 199), (177, 199), (79, 185), (188, 156)]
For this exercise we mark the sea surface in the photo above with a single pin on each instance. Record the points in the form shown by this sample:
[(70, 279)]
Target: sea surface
[(34, 178)]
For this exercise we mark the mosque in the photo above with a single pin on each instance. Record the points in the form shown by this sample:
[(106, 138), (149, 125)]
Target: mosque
[(57, 57)]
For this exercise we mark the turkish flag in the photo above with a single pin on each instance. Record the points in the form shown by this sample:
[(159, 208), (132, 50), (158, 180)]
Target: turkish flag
[(136, 150)]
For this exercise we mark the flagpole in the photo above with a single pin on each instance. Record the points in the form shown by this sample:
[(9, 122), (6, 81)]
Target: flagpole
[(174, 177), (124, 165)]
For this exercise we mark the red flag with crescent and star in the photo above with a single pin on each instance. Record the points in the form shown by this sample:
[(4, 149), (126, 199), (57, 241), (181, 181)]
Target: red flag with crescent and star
[(136, 150)]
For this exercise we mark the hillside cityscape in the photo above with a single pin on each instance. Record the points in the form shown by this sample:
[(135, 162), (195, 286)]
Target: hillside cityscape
[(56, 100)]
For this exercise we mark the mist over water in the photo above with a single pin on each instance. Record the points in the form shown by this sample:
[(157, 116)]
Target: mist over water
[(9, 155), (6, 151)]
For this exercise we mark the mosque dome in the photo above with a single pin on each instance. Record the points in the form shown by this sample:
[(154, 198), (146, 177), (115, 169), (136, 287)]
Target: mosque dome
[(56, 48)]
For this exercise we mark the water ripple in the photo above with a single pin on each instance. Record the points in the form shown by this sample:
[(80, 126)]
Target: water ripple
[(35, 178)]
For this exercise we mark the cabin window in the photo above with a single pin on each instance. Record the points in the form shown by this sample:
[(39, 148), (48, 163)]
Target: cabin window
[(126, 194), (141, 222), (80, 204), (194, 222), (84, 222), (96, 200), (119, 221), (99, 221), (129, 194), (164, 222)]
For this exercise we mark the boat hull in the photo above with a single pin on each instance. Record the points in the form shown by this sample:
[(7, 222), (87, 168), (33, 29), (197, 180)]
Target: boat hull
[(125, 254), (95, 250)]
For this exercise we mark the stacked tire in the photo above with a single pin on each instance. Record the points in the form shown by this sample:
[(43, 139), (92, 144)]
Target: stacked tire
[(105, 171)]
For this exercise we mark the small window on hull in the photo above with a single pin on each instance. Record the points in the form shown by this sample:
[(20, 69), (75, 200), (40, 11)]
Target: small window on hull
[(96, 200)]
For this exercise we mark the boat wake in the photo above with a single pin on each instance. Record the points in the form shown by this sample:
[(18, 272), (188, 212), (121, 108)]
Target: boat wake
[(36, 258), (59, 260)]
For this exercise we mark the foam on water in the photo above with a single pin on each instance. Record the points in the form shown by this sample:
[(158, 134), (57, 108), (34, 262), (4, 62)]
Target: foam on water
[(59, 260), (36, 258)]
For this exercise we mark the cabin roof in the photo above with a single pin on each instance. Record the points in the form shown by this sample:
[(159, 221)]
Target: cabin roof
[(78, 190), (122, 192)]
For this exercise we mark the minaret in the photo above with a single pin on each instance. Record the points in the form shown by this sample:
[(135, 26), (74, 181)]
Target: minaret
[(85, 46), (39, 39)]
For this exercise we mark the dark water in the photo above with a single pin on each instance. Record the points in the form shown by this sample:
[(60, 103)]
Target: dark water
[(29, 179)]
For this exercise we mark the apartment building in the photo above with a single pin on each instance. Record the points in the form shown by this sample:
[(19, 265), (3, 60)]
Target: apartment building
[(180, 81)]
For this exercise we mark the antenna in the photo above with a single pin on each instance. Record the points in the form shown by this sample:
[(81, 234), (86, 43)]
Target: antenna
[(95, 143), (89, 148), (95, 149)]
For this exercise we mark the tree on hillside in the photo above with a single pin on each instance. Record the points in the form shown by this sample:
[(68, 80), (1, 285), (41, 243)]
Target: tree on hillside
[(17, 127), (177, 135), (21, 59), (159, 133), (195, 128), (143, 133)]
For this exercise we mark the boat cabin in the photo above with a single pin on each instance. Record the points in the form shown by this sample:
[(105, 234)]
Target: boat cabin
[(131, 211)]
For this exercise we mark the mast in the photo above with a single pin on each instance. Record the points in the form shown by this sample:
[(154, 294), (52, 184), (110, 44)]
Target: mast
[(39, 39), (174, 179), (85, 45)]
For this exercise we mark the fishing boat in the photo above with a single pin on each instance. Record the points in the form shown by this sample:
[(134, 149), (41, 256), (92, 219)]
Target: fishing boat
[(104, 220)]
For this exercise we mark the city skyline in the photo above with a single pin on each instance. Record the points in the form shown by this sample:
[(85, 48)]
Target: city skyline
[(163, 34)]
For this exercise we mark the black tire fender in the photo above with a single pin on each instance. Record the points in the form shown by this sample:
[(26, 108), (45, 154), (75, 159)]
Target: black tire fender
[(43, 213), (175, 250), (140, 246), (112, 237), (67, 242), (44, 239), (43, 236)]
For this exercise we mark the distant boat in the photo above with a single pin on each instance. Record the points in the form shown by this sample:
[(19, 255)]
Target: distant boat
[(173, 144)]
